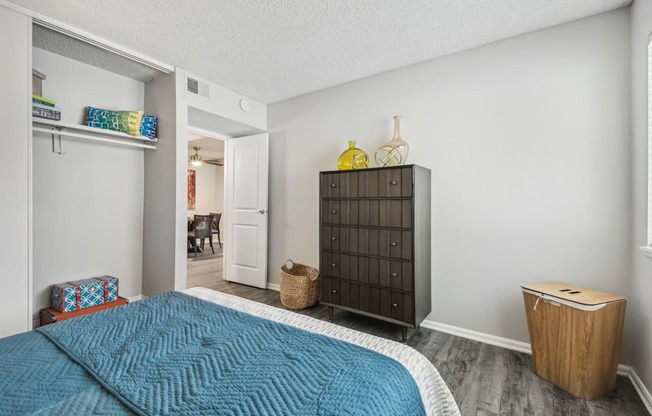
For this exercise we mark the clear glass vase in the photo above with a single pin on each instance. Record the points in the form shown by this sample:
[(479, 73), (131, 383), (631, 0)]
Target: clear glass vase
[(353, 158), (395, 152)]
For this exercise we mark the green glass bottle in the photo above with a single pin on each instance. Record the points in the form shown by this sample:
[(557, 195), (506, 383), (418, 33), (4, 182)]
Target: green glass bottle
[(353, 158)]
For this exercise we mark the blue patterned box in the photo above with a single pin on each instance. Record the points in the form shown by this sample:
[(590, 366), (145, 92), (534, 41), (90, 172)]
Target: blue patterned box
[(80, 294)]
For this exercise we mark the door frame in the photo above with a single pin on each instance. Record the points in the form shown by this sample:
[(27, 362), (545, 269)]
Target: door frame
[(216, 136)]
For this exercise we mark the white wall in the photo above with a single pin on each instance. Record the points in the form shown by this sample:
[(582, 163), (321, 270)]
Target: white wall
[(88, 203), (640, 307), (15, 171), (209, 189), (527, 140)]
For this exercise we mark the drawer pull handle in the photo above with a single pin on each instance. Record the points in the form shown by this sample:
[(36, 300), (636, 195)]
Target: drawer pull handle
[(393, 183), (333, 238), (394, 305), (334, 290), (333, 265), (333, 185), (394, 275), (333, 212), (394, 244)]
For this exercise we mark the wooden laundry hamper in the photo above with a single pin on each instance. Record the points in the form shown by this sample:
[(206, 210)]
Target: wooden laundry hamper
[(299, 285)]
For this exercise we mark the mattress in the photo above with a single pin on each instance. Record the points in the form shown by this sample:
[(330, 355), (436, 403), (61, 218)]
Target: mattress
[(178, 354), (435, 394)]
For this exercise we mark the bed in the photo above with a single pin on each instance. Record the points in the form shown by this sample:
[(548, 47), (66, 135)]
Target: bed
[(201, 352)]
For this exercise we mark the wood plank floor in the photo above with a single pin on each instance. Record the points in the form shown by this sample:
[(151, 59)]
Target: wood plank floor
[(485, 380)]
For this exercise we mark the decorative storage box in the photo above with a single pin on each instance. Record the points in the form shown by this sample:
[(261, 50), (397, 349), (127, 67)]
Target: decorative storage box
[(575, 335), (80, 294)]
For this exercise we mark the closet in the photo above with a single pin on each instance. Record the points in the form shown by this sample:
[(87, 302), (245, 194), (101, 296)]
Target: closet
[(74, 196), (80, 203)]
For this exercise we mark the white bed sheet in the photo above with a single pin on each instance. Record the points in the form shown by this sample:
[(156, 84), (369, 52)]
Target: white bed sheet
[(436, 396)]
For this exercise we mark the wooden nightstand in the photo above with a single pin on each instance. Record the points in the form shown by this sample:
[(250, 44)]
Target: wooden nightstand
[(51, 315)]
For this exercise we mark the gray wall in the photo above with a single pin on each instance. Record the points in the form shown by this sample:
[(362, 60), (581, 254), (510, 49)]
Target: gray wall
[(88, 203), (161, 223), (640, 307), (527, 140)]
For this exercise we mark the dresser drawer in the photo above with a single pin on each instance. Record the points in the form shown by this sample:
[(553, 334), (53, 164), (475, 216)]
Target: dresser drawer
[(330, 264), (344, 293), (351, 267), (396, 274), (397, 305), (392, 274), (341, 184), (395, 182), (395, 244), (395, 213), (331, 238), (348, 240), (330, 212), (371, 299), (330, 290), (333, 185)]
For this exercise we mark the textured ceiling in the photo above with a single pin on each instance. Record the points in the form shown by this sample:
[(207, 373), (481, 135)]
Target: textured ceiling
[(63, 45), (271, 50)]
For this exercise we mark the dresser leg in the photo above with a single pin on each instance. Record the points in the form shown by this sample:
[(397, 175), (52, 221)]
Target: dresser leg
[(330, 313), (404, 334)]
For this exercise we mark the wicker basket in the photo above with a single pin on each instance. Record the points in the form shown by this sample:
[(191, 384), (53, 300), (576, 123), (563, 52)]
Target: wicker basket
[(299, 285)]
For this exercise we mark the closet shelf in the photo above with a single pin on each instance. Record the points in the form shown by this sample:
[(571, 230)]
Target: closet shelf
[(76, 131)]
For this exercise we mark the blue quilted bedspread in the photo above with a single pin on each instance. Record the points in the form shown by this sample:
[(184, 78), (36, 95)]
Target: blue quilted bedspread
[(37, 378), (177, 354)]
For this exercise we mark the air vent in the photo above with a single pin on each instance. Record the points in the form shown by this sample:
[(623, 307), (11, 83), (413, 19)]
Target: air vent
[(198, 88), (193, 86)]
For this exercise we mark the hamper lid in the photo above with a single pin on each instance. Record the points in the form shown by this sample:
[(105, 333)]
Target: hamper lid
[(573, 293)]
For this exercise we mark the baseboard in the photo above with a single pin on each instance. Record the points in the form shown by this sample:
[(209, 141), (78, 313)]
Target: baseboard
[(273, 286), (510, 344), (135, 298), (642, 391), (506, 343)]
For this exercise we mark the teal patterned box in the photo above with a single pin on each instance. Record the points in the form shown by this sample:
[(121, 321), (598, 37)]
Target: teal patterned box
[(81, 294)]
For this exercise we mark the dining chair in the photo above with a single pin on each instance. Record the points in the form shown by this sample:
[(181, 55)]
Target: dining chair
[(201, 229), (216, 226)]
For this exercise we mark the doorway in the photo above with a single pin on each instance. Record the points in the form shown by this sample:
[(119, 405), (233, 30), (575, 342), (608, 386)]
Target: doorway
[(206, 180)]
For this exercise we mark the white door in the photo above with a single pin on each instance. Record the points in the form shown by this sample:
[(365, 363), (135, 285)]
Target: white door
[(245, 210)]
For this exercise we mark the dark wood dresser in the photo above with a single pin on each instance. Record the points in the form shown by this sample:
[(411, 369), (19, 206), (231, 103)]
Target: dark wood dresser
[(375, 243)]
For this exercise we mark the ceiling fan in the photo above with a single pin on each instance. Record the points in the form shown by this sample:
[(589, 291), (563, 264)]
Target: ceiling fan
[(196, 159), (216, 162)]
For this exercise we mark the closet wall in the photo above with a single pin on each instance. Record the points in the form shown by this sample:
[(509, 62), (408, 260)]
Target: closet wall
[(88, 201), (15, 84)]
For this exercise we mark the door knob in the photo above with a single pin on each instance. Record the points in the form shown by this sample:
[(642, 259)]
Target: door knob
[(262, 211)]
